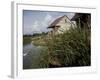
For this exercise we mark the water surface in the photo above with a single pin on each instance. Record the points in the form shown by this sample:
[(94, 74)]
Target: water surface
[(31, 56)]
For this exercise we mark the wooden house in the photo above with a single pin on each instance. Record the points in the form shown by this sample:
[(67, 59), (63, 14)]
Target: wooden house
[(60, 25)]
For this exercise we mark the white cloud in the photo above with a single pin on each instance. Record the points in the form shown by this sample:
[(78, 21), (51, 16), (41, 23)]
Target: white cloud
[(35, 27), (48, 19), (40, 26)]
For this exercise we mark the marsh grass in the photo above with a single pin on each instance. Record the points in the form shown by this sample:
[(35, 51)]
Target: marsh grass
[(72, 48)]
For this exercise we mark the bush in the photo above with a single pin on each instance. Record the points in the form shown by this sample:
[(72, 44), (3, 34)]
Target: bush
[(72, 48)]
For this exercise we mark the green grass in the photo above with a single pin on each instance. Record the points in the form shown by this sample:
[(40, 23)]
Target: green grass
[(71, 48), (39, 40)]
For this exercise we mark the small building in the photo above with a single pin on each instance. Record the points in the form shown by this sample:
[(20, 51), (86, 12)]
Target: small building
[(83, 20), (60, 25)]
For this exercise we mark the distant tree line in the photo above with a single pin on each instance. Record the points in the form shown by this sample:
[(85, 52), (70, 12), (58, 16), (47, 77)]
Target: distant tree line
[(35, 34)]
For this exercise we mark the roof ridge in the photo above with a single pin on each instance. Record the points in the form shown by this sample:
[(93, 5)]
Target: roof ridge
[(57, 20)]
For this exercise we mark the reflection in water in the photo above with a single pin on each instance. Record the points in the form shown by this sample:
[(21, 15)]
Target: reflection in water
[(31, 54)]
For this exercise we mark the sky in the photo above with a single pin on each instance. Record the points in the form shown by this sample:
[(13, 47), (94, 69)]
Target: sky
[(38, 21)]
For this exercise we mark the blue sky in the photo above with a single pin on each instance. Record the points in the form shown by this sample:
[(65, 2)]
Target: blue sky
[(38, 21)]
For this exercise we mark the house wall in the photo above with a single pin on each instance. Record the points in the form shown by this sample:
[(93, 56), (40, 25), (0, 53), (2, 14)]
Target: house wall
[(64, 24)]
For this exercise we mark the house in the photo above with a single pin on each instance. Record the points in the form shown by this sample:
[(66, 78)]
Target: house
[(83, 20), (60, 25)]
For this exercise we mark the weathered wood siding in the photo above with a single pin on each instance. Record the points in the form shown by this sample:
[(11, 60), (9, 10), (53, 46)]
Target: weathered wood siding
[(65, 24)]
